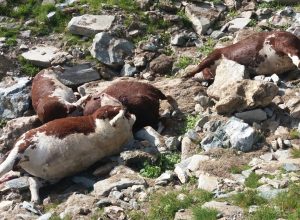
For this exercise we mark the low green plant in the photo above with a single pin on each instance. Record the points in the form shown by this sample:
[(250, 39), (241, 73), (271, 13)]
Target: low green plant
[(232, 13), (163, 163), (189, 123), (276, 5), (252, 181), (136, 215), (265, 213), (184, 61), (200, 213), (294, 133), (28, 68), (184, 19), (295, 153), (2, 123), (248, 198), (288, 202), (235, 169), (252, 23), (164, 206), (208, 46)]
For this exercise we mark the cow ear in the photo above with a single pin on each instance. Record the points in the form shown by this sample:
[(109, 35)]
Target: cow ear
[(114, 121)]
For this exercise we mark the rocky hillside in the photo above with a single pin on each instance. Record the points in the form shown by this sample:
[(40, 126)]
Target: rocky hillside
[(230, 151)]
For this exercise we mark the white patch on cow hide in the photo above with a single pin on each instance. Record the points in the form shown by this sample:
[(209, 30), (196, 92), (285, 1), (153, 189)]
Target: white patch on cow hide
[(54, 158), (295, 60), (62, 92), (273, 63)]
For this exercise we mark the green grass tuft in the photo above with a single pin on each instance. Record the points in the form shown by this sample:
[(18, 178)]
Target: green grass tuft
[(248, 198), (294, 133), (265, 213), (183, 62), (238, 169), (204, 214), (295, 153), (252, 180), (208, 46), (164, 206), (28, 68)]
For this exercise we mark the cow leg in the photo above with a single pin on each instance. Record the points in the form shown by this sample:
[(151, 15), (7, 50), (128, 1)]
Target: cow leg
[(34, 187)]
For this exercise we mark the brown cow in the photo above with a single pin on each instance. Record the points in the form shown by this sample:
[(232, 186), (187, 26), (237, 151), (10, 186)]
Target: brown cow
[(66, 146), (262, 53), (50, 98), (141, 99)]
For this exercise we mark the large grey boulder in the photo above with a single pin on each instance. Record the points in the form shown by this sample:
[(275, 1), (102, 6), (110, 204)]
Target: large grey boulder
[(234, 133), (77, 75), (14, 97), (45, 56), (89, 25), (202, 16), (109, 50)]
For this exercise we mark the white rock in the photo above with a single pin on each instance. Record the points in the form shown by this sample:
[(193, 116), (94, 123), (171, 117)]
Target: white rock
[(88, 25), (238, 24), (207, 182), (43, 55)]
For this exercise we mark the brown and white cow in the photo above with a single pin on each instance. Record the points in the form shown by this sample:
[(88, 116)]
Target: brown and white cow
[(50, 98), (262, 53), (141, 99), (66, 146)]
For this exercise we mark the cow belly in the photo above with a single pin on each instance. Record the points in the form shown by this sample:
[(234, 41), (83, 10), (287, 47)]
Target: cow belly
[(53, 158), (273, 62)]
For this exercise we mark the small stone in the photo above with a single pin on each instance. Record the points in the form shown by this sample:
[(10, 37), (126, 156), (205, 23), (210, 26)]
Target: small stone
[(165, 178), (275, 78), (115, 212), (207, 182), (291, 167), (181, 174)]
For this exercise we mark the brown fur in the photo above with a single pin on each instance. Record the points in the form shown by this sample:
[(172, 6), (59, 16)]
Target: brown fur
[(46, 106), (246, 52), (140, 99)]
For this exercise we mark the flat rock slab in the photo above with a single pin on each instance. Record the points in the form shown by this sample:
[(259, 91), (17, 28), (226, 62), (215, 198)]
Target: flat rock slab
[(228, 211), (77, 75), (44, 56), (119, 181), (18, 183), (89, 25)]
